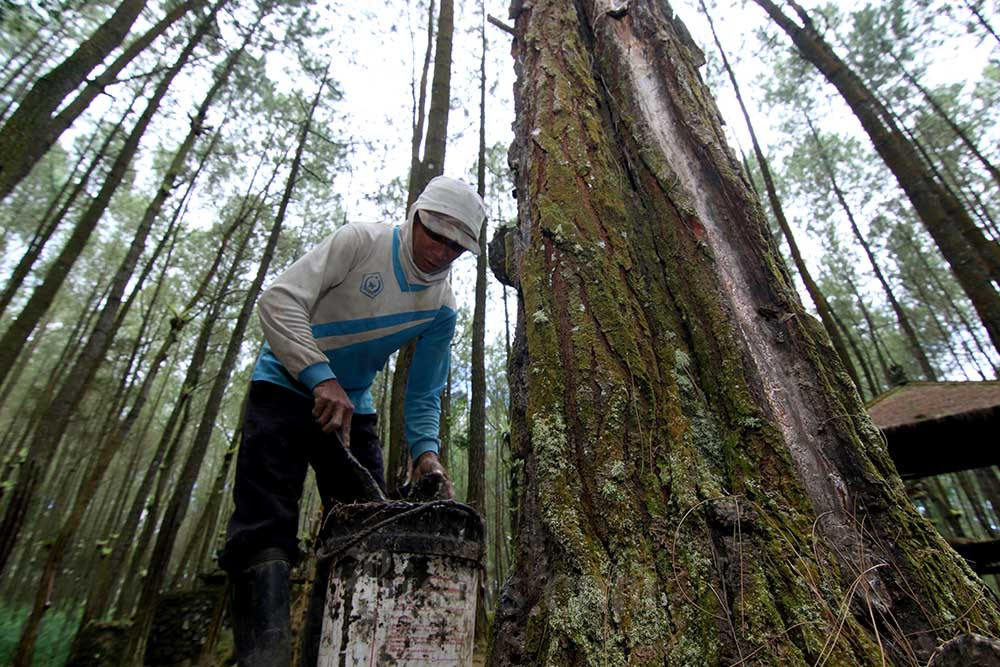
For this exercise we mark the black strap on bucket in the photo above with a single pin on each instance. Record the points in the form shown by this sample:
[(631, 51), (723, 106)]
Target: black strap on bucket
[(325, 553)]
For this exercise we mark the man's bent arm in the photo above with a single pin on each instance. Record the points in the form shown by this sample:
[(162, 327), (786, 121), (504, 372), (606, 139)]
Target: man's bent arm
[(286, 305), (428, 375)]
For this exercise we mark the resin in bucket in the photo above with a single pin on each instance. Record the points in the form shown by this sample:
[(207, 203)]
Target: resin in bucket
[(396, 585)]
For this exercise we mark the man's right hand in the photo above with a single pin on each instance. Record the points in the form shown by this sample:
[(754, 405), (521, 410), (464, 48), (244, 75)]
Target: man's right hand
[(333, 410)]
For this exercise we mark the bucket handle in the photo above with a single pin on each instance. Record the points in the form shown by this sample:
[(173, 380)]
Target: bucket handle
[(322, 556)]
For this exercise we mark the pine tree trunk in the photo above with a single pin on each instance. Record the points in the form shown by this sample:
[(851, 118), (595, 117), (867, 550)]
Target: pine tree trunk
[(100, 595), (967, 482), (863, 361), (93, 87), (700, 483), (444, 426), (110, 446), (973, 258), (981, 20), (20, 131), (51, 220), (818, 299), (174, 515), (909, 333), (476, 488), (421, 172), (51, 428), (40, 300), (941, 113), (885, 361), (932, 275)]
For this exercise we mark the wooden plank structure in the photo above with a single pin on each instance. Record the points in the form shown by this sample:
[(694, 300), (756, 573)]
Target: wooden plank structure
[(935, 428)]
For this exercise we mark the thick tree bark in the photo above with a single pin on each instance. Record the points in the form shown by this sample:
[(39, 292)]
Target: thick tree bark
[(701, 484), (818, 299), (19, 132), (973, 258)]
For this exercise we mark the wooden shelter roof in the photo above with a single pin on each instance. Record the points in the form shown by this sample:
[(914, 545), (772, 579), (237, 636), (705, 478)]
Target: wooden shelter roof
[(939, 427), (916, 402)]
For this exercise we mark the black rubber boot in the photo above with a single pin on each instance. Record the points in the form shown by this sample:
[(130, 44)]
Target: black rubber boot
[(261, 612)]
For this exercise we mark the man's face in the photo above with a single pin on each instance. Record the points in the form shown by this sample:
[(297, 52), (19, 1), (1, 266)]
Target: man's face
[(432, 252)]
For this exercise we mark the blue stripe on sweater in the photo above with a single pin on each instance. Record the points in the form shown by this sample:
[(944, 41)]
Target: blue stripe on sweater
[(369, 323)]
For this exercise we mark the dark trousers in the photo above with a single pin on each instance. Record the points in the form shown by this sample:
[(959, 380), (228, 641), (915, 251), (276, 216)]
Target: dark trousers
[(280, 439)]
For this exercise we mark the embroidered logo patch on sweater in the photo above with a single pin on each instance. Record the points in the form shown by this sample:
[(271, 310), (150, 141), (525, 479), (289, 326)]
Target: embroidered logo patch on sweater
[(371, 284)]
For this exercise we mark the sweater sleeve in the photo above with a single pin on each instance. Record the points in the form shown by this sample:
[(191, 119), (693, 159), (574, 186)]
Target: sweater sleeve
[(286, 306), (428, 374)]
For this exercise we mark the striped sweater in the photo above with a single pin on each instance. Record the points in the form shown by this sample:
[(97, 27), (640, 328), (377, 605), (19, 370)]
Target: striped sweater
[(344, 307)]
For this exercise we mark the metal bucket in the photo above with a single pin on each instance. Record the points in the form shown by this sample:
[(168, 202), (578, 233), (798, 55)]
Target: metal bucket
[(396, 585)]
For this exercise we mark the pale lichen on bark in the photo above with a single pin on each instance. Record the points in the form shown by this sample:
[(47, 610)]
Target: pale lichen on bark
[(700, 484)]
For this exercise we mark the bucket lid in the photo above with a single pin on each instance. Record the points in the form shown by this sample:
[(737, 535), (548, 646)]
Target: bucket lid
[(441, 528)]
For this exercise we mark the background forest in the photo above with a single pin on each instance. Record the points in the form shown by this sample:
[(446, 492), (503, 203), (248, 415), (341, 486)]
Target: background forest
[(160, 162)]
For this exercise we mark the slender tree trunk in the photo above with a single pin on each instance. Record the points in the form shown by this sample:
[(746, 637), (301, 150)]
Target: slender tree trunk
[(885, 361), (873, 385), (93, 87), (444, 427), (214, 506), (102, 594), (916, 348), (973, 258), (79, 379), (818, 299), (957, 185), (189, 474), (941, 113), (98, 601), (476, 489), (15, 71), (51, 428), (983, 22), (932, 274), (419, 115), (51, 220), (917, 286), (967, 482), (431, 165), (13, 339), (949, 515), (20, 130), (701, 484), (35, 405)]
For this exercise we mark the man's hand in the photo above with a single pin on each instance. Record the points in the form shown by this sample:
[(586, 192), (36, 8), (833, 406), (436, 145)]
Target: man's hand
[(430, 480), (333, 410)]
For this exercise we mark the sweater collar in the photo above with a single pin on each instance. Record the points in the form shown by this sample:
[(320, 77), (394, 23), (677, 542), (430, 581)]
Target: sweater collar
[(403, 261)]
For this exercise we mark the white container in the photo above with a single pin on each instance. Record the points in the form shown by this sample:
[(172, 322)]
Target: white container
[(403, 581)]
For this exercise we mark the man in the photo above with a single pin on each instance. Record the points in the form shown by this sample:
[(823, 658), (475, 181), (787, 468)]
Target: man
[(331, 321)]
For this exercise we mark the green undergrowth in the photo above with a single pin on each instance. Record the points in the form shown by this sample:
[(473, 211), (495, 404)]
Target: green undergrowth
[(54, 639)]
